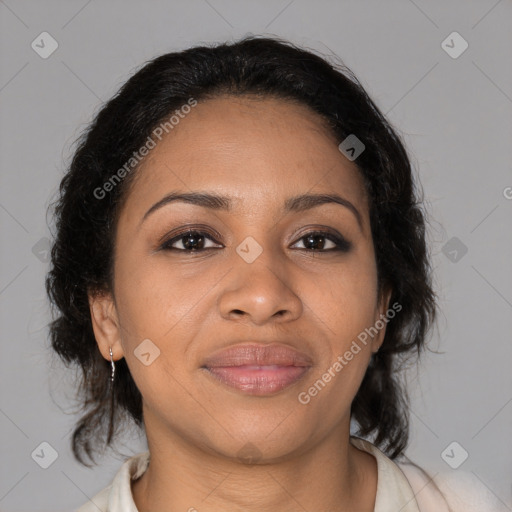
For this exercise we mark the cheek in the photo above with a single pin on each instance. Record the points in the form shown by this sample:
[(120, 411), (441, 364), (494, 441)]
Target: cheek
[(155, 297), (159, 302), (346, 298), (346, 302), (349, 309), (171, 305)]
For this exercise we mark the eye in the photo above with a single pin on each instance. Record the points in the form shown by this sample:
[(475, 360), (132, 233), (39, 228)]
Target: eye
[(323, 241), (197, 241), (191, 241)]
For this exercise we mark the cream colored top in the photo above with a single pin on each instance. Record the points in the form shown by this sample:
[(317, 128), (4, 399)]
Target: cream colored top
[(400, 488)]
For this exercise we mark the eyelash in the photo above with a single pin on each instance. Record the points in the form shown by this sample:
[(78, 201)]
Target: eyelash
[(342, 245)]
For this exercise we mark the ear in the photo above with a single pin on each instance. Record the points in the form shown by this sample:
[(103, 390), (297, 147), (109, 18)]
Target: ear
[(105, 324), (381, 319)]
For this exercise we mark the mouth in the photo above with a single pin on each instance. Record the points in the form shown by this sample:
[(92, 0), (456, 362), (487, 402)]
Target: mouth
[(258, 370)]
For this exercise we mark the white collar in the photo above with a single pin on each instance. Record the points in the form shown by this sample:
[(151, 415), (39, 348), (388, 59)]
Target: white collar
[(394, 493)]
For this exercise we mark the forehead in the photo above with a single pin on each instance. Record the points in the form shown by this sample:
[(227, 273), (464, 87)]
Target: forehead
[(256, 150)]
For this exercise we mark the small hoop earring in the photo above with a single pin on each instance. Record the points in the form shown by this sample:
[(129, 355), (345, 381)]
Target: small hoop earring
[(112, 365)]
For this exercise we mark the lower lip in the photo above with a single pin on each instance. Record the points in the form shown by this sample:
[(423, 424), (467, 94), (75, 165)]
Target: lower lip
[(259, 380)]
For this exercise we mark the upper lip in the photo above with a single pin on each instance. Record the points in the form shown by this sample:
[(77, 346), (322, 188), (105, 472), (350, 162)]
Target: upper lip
[(257, 355)]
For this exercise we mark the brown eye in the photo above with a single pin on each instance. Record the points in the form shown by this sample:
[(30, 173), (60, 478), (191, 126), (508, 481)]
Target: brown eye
[(191, 241), (323, 242)]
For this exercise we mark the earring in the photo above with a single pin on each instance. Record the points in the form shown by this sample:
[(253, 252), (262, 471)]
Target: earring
[(112, 365)]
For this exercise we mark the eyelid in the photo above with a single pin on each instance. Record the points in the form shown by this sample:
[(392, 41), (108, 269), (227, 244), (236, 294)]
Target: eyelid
[(305, 230)]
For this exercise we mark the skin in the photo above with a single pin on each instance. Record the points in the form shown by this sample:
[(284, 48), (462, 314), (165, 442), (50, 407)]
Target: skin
[(259, 152)]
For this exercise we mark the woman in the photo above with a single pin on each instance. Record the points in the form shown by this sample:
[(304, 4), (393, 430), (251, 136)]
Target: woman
[(240, 267)]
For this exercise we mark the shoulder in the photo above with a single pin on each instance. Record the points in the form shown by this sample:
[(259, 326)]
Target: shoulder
[(117, 497), (458, 491)]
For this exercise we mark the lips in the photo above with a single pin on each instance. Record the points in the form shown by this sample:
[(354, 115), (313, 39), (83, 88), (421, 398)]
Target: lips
[(258, 369)]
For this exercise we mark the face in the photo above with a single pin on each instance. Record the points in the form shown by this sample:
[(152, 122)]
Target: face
[(232, 303)]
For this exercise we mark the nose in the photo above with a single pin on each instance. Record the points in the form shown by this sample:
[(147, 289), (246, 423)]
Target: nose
[(260, 292)]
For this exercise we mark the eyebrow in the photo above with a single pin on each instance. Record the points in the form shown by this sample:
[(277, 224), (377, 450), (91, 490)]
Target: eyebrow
[(216, 202)]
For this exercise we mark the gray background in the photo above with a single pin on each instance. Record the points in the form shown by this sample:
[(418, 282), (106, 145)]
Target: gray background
[(455, 116)]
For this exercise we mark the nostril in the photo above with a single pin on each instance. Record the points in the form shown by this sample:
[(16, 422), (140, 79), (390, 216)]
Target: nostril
[(238, 311)]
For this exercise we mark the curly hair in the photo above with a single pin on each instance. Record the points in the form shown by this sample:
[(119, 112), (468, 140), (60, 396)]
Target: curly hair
[(83, 250)]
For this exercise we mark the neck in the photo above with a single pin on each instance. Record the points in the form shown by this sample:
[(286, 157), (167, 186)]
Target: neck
[(333, 475)]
